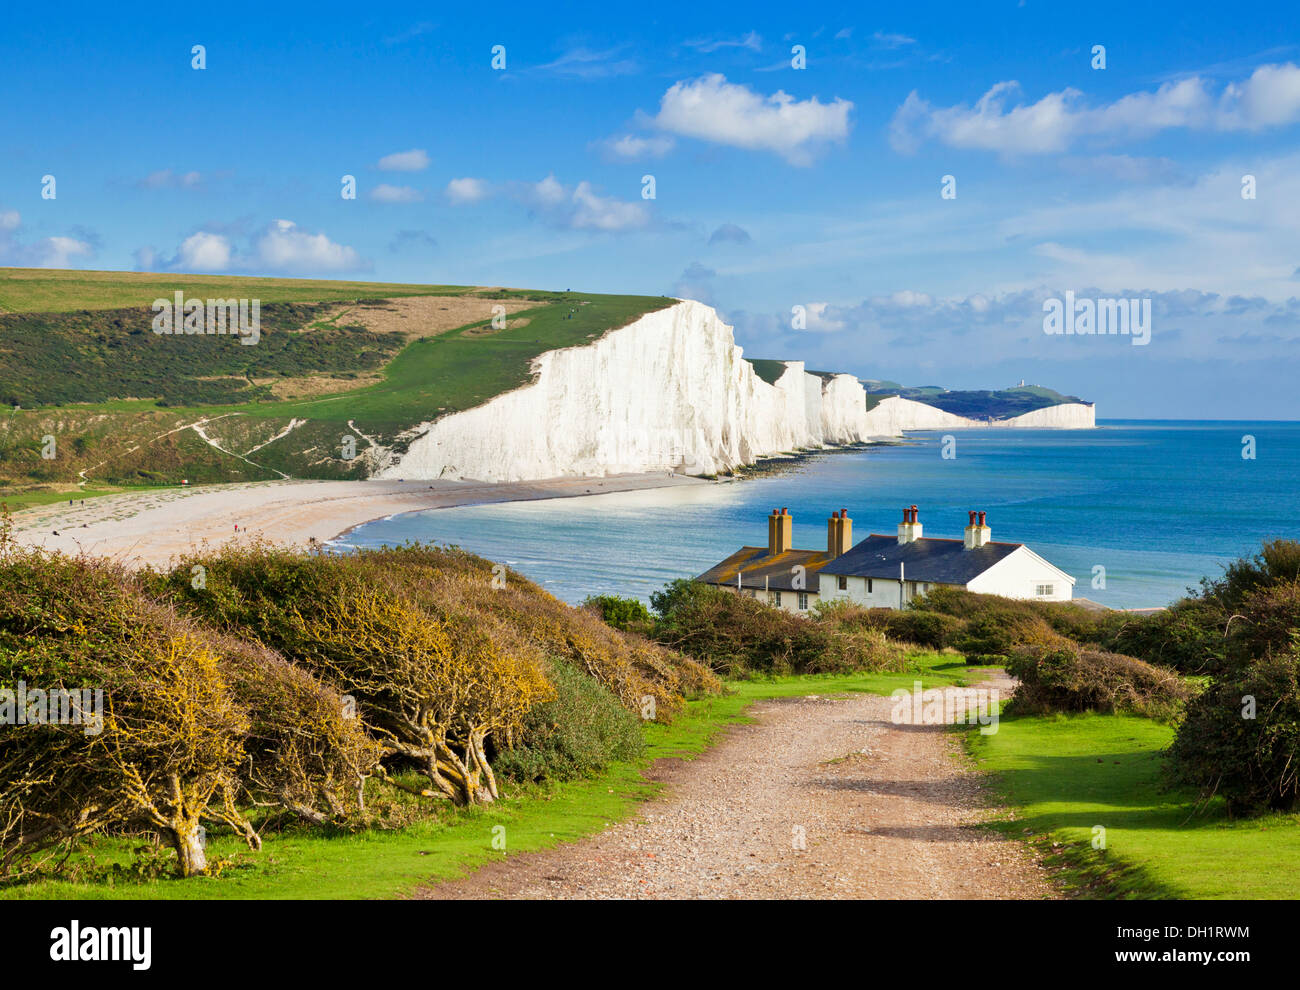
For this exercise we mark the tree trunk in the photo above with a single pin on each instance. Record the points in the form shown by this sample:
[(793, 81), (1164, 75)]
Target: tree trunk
[(187, 839)]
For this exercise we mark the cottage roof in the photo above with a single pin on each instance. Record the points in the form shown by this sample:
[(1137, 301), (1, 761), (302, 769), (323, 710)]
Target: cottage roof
[(930, 559), (755, 564)]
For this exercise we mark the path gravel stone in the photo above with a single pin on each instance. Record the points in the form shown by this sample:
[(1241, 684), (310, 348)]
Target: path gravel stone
[(822, 797)]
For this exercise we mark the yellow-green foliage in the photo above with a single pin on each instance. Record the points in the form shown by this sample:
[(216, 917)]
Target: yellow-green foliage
[(631, 666), (433, 684), (162, 750)]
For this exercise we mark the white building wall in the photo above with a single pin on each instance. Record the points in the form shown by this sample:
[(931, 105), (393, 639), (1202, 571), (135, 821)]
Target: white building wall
[(1020, 574), (884, 592)]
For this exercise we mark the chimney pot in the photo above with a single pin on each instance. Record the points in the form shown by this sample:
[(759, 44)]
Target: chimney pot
[(981, 515), (972, 517)]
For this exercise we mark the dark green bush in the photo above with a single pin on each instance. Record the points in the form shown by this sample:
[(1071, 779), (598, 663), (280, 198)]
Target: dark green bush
[(627, 614), (1188, 636), (581, 732), (737, 636), (1252, 762)]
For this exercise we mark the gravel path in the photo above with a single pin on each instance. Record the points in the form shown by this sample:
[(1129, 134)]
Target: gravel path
[(883, 811)]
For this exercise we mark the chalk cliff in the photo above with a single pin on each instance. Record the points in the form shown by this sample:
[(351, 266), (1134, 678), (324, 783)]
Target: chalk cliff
[(670, 391)]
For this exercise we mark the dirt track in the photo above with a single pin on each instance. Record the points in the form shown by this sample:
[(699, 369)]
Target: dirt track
[(883, 811)]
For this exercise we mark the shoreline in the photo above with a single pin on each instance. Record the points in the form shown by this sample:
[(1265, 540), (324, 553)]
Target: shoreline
[(140, 529)]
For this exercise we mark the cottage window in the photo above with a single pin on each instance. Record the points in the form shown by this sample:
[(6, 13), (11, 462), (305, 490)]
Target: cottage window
[(1043, 590), (842, 583), (776, 599), (803, 600), (868, 586)]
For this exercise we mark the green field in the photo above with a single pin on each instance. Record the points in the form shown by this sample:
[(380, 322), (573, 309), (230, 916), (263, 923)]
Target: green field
[(45, 290), (1064, 775), (307, 863)]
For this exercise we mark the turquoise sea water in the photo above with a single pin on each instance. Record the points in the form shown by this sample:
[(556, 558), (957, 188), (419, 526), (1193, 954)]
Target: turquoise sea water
[(1157, 504)]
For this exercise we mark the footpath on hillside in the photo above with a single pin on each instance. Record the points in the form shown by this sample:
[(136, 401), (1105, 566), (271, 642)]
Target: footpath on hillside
[(821, 797)]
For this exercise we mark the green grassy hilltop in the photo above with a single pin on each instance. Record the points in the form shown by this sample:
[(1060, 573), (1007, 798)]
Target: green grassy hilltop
[(79, 362)]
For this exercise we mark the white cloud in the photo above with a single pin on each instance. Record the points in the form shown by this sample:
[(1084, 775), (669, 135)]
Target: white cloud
[(712, 109), (59, 251), (587, 64), (1270, 97), (281, 247), (204, 252), (579, 207), (631, 147), (167, 179), (892, 40), (467, 190), (751, 41), (286, 248), (596, 212), (385, 193), (415, 160)]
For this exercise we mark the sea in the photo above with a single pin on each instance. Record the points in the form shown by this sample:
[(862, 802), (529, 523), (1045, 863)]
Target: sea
[(1137, 511)]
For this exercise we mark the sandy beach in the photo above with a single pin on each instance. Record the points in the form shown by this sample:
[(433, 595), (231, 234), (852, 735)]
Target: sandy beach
[(150, 528)]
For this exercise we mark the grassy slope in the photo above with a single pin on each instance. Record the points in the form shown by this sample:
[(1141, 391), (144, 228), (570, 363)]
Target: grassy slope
[(425, 379), (1066, 774), (308, 864)]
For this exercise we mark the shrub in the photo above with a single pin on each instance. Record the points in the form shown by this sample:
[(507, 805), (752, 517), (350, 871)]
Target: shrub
[(737, 636), (167, 752), (432, 687), (577, 734), (1066, 678), (1252, 762), (1188, 636), (627, 614), (631, 666), (1278, 562), (307, 751), (1266, 623), (933, 630)]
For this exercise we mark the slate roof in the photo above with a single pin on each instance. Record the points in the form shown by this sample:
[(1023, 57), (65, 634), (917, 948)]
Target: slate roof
[(753, 564), (929, 559)]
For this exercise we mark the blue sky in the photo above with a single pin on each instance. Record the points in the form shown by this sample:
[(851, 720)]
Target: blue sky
[(775, 187)]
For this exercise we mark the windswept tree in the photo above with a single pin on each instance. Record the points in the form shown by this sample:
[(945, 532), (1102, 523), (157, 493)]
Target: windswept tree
[(307, 749), (152, 738), (430, 687)]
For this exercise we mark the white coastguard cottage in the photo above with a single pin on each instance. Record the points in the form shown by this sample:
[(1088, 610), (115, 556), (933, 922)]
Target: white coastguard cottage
[(886, 571)]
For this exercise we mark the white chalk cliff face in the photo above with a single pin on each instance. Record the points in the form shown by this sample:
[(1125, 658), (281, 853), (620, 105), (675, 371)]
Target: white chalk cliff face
[(669, 391)]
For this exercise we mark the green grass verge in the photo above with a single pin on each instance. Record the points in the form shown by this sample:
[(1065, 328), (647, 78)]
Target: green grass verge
[(1063, 775), (308, 863)]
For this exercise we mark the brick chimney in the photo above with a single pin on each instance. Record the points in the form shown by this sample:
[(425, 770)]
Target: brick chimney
[(839, 533), (977, 533), (909, 530), (780, 531)]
